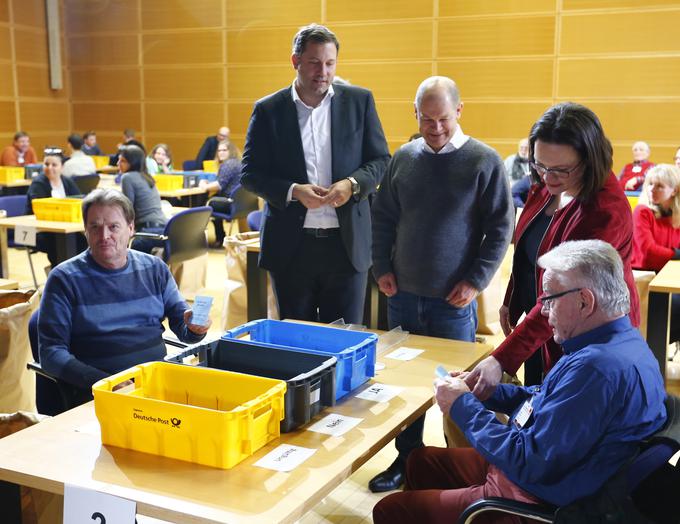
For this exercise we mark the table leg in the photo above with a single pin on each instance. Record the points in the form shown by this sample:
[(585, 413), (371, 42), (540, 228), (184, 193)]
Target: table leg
[(256, 284), (10, 501), (4, 262), (658, 321)]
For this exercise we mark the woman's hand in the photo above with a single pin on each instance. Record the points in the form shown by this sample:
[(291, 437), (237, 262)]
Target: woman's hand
[(506, 326)]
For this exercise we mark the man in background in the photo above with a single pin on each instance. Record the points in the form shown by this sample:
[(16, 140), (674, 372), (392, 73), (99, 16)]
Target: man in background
[(79, 163), (90, 146), (20, 153), (208, 150)]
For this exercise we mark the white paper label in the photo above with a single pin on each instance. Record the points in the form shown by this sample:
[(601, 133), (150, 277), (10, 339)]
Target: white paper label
[(380, 393), (314, 396), (285, 458), (334, 424), (84, 506), (25, 235), (379, 366), (404, 353)]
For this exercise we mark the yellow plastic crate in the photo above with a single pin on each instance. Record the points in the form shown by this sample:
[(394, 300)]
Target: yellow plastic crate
[(208, 416), (169, 182), (10, 174), (58, 209), (100, 161), (633, 201), (210, 166)]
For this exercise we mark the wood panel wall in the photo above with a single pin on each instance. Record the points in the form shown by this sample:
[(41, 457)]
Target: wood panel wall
[(26, 100), (178, 69)]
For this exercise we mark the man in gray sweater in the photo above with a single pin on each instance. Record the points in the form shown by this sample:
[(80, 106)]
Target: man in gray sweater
[(442, 222)]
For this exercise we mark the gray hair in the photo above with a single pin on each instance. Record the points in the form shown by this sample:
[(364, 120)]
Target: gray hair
[(438, 82), (315, 33), (109, 197), (644, 144), (599, 268)]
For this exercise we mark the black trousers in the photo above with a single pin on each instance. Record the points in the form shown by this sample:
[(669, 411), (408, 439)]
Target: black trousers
[(220, 205), (321, 284)]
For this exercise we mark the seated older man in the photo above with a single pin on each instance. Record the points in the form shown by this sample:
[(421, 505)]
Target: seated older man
[(565, 437), (101, 311)]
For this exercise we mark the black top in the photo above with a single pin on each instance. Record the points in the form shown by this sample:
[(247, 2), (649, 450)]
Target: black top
[(527, 253)]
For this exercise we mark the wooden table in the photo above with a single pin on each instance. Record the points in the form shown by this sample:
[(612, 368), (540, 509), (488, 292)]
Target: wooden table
[(66, 241), (52, 453), (662, 286), (189, 196), (8, 284), (15, 187)]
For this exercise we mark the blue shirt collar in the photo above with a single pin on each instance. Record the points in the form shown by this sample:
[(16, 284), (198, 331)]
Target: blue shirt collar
[(596, 335)]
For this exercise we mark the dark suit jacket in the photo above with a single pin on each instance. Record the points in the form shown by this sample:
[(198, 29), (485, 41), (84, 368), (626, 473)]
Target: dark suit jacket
[(273, 159), (208, 150)]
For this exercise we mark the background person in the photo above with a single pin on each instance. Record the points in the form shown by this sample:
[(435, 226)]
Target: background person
[(102, 310), (90, 146), (517, 165), (50, 183), (160, 160), (20, 152), (633, 175), (228, 158), (79, 163), (575, 196), (208, 149), (140, 188)]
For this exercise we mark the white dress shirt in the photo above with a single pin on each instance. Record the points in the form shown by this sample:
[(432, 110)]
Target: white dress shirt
[(79, 164), (457, 141), (315, 132)]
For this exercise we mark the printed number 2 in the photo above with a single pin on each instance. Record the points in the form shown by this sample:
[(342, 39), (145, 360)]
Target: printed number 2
[(97, 515)]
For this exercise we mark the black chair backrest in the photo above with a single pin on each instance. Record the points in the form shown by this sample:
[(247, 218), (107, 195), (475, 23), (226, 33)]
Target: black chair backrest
[(87, 183), (186, 235), (244, 203)]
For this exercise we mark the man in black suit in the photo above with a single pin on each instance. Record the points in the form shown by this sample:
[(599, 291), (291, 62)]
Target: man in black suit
[(209, 148), (315, 151)]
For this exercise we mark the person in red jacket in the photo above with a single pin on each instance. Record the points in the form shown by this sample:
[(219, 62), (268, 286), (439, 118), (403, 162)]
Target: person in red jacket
[(575, 196), (633, 175)]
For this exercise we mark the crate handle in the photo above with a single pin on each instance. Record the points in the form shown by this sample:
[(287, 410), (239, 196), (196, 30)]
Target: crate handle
[(245, 329), (129, 374)]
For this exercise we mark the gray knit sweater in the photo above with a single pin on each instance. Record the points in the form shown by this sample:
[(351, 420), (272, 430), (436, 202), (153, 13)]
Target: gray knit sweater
[(440, 219)]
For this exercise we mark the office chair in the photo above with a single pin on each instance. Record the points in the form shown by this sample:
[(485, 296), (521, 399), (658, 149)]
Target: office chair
[(643, 491), (254, 220), (242, 203), (87, 183), (184, 236), (190, 165), (14, 206)]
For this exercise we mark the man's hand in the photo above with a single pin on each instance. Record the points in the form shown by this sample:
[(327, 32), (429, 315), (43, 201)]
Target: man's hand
[(339, 193), (447, 391), (309, 195), (462, 294), (195, 328), (484, 378), (387, 284), (506, 326)]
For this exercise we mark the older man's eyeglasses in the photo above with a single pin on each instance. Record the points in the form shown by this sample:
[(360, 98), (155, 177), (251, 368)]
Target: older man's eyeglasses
[(548, 300), (558, 172)]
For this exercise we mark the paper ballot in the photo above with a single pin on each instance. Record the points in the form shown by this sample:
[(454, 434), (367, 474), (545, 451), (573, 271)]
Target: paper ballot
[(201, 310)]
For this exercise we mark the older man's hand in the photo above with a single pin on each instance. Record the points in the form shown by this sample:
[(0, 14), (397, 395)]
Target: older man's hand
[(195, 328), (484, 378), (447, 391)]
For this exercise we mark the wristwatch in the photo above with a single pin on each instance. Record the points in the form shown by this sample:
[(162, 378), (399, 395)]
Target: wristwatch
[(356, 188)]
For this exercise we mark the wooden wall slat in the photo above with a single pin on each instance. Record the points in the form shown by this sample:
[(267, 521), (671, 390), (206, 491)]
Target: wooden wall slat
[(172, 84), (86, 16), (203, 47), (105, 84), (176, 14), (356, 10)]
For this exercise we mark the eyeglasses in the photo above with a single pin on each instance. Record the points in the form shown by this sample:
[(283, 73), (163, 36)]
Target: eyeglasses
[(559, 173), (548, 300)]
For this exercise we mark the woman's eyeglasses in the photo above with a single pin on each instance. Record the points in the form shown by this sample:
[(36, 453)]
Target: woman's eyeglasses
[(558, 172)]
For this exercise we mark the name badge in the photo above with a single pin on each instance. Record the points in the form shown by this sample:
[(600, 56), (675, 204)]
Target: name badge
[(523, 414), (637, 169)]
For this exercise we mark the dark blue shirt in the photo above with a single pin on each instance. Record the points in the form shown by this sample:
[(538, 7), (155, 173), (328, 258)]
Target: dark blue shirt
[(600, 400)]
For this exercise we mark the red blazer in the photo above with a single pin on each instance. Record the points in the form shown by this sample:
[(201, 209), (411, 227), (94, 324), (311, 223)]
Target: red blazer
[(654, 239), (607, 217), (627, 173)]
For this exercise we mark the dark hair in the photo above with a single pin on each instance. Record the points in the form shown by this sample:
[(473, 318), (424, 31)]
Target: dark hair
[(129, 133), (88, 134), (109, 197), (315, 33), (137, 160), (576, 126), (76, 141), (19, 134)]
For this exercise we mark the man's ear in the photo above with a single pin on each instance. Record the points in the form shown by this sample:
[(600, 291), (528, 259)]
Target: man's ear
[(587, 302), (295, 60)]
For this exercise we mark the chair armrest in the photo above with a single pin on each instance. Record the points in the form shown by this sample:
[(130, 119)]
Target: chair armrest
[(35, 366), (538, 512), (153, 236)]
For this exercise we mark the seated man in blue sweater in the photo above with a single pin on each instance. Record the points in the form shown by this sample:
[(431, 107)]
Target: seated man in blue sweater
[(565, 437), (101, 311)]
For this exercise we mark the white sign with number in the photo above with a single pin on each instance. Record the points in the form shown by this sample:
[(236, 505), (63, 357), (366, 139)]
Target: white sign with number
[(25, 235), (84, 506)]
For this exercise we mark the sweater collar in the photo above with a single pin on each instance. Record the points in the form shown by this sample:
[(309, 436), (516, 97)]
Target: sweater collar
[(598, 334)]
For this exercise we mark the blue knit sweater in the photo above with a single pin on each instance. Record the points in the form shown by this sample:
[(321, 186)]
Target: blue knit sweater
[(95, 322)]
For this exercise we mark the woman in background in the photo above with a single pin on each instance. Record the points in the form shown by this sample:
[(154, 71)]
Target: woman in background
[(160, 160), (140, 188), (50, 183), (228, 158)]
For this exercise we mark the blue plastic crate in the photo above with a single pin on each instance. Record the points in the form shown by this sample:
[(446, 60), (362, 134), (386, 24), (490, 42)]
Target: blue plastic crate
[(354, 350)]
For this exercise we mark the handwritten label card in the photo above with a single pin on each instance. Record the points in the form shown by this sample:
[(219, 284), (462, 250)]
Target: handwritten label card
[(380, 393), (285, 458), (335, 425), (84, 506), (404, 353), (25, 235)]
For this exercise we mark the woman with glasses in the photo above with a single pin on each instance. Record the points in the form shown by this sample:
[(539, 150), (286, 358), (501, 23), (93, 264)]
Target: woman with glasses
[(228, 158), (575, 196)]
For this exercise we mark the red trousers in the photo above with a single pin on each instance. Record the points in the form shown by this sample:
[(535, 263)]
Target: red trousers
[(442, 482)]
